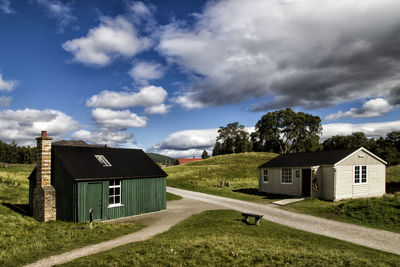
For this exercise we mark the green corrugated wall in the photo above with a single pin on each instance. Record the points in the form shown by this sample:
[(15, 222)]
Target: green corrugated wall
[(138, 196), (63, 183)]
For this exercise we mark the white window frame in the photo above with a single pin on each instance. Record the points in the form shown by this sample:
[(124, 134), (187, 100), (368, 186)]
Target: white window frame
[(360, 174), (112, 185), (291, 176), (103, 161), (263, 176)]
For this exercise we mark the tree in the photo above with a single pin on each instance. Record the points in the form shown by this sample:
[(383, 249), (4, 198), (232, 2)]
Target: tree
[(232, 139), (355, 140), (285, 131), (217, 149), (204, 155)]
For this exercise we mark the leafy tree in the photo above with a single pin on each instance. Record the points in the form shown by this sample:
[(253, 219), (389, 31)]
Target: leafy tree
[(232, 139), (204, 155), (217, 149), (355, 140), (285, 131)]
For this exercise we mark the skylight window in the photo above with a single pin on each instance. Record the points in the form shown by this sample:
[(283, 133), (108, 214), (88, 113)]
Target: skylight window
[(103, 160)]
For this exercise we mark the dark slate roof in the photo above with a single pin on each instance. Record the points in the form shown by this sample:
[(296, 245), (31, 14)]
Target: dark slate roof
[(307, 159), (72, 143), (81, 163)]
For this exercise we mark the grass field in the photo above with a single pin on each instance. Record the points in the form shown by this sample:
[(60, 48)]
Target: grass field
[(393, 174), (220, 238), (381, 213), (24, 240), (211, 176)]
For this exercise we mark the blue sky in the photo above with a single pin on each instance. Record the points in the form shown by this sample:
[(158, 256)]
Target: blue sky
[(164, 75)]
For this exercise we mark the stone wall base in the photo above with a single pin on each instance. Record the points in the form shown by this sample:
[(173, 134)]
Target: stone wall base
[(44, 203)]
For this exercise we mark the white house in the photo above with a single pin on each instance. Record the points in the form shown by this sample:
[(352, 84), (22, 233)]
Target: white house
[(328, 175)]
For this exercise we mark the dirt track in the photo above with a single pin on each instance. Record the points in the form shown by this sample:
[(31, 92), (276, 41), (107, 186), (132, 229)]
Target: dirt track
[(194, 202), (160, 222), (373, 238)]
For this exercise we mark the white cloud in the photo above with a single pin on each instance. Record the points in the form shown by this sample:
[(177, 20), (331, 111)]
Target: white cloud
[(5, 101), (143, 71), (7, 85), (371, 130), (24, 125), (372, 108), (146, 97), (117, 119), (110, 138), (188, 101), (111, 39), (59, 11), (158, 109), (5, 7), (190, 143), (298, 53)]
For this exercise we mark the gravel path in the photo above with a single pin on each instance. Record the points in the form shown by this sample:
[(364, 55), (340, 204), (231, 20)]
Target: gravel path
[(160, 222), (377, 239)]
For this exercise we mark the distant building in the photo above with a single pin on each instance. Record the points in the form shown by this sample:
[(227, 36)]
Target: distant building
[(186, 160), (329, 175), (72, 178)]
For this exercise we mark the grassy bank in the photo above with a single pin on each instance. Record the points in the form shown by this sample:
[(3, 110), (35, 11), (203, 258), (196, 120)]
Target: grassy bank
[(393, 174), (381, 213), (212, 176), (24, 240), (220, 238)]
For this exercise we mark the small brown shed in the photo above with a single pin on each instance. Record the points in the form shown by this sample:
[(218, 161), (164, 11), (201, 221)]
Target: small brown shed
[(328, 175)]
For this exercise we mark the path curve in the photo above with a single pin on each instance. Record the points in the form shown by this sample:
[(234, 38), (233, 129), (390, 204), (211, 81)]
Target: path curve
[(373, 238), (161, 222)]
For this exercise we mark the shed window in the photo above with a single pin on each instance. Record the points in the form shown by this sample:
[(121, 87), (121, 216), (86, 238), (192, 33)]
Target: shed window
[(286, 176), (265, 176), (360, 174), (114, 193), (103, 160)]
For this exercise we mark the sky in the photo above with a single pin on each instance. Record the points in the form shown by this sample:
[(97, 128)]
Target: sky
[(163, 76)]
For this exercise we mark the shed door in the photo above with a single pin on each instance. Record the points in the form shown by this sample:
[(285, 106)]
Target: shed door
[(95, 200)]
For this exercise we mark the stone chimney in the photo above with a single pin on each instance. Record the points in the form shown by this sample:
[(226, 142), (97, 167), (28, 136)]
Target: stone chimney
[(44, 194)]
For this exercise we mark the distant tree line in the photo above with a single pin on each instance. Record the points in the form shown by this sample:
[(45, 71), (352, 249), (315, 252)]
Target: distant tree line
[(11, 153), (287, 131)]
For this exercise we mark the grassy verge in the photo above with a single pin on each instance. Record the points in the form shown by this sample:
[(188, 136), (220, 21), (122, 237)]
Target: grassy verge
[(233, 176), (24, 240), (171, 197), (219, 238), (381, 213), (393, 174)]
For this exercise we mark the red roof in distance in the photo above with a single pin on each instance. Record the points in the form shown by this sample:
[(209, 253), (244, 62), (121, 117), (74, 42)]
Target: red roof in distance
[(186, 160)]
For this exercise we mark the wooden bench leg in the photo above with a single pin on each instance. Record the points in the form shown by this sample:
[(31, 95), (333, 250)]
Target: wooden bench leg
[(257, 220), (246, 219)]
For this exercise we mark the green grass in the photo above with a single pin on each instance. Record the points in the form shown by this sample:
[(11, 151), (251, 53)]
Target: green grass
[(381, 213), (171, 197), (240, 170), (24, 240), (220, 238), (393, 174)]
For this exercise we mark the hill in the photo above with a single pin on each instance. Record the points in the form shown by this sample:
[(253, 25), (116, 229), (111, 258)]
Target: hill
[(213, 175), (161, 159)]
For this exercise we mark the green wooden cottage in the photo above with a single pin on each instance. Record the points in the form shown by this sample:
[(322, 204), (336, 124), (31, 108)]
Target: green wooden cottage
[(113, 182)]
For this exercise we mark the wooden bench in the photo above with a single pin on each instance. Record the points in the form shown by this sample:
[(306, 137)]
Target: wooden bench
[(256, 217)]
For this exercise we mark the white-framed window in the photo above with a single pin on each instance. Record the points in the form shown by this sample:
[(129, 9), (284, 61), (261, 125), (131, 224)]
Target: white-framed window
[(114, 193), (265, 175), (103, 161), (286, 176), (360, 174)]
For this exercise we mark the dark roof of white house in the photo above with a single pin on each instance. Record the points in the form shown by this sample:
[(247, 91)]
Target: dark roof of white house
[(307, 159)]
